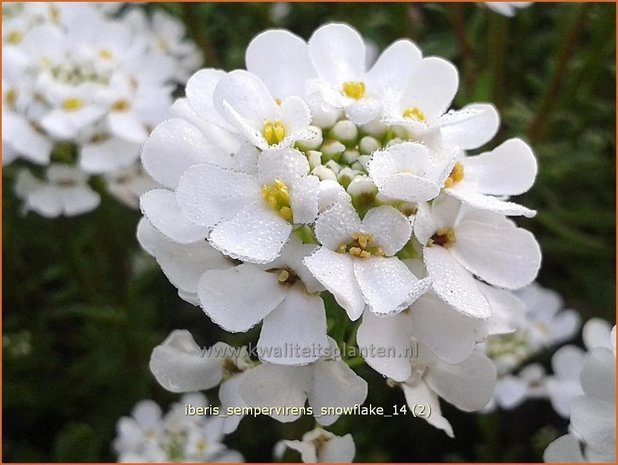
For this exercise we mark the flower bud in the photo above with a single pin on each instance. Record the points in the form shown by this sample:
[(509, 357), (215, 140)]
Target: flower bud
[(344, 131), (313, 142), (349, 156), (315, 158), (368, 145), (324, 173), (333, 166), (332, 149)]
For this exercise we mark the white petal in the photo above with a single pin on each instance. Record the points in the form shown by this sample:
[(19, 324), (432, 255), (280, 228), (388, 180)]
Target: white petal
[(564, 449), (46, 201), (221, 299), (336, 225), (509, 169), (595, 422), (335, 385), (200, 92), (307, 450), (179, 365), (432, 87), (474, 132), (287, 165), (295, 115), (395, 65), (161, 209), (567, 362), (108, 156), (596, 333), (208, 194), (390, 229), (598, 375), (271, 385), (304, 199), (338, 53), (468, 386), (79, 199), (229, 394), (486, 202), (420, 394), (363, 111), (377, 335), (299, 322), (247, 95), (173, 147), (510, 392), (127, 126), (335, 271), (449, 334), (500, 254), (255, 234), (454, 284), (281, 60), (24, 139), (387, 284), (338, 450)]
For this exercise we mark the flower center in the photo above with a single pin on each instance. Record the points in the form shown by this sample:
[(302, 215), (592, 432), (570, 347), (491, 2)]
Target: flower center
[(277, 195), (286, 277), (274, 132), (444, 237), (105, 54), (354, 89), (11, 98), (121, 105), (72, 104), (15, 37), (456, 175), (362, 245), (414, 113)]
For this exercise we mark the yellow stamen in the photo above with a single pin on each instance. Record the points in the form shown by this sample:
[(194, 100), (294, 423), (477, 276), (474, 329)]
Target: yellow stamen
[(277, 196), (414, 113), (121, 105), (278, 101), (72, 104), (11, 98), (362, 246), (105, 54), (354, 89), (15, 37), (284, 275), (274, 132), (457, 174)]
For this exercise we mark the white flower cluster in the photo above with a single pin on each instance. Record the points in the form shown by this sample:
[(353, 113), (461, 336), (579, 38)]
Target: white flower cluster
[(80, 93), (149, 436), (541, 324), (313, 172), (320, 446), (584, 389)]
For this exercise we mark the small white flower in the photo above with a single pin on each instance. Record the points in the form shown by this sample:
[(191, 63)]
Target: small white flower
[(460, 242), (507, 8), (320, 446), (511, 391), (483, 181), (64, 192), (356, 261), (251, 216), (564, 385)]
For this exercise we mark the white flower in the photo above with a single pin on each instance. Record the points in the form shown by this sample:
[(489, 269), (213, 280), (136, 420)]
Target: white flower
[(129, 184), (530, 383), (483, 181), (356, 261), (593, 418), (277, 293), (251, 216), (460, 242), (64, 192), (320, 446), (408, 171), (326, 383), (148, 436), (246, 103), (564, 385), (507, 8)]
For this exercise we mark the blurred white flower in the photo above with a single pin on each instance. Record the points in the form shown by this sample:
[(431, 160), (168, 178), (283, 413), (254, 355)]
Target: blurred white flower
[(592, 435), (150, 436), (507, 8), (320, 446)]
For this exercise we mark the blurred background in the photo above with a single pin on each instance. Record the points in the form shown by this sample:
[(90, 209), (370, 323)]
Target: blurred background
[(83, 306)]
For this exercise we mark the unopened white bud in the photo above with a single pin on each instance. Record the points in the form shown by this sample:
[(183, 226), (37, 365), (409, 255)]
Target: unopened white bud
[(313, 142), (330, 192), (344, 131), (324, 173), (332, 149), (361, 163), (362, 186), (333, 166), (349, 156), (368, 145), (376, 129), (315, 158), (346, 175)]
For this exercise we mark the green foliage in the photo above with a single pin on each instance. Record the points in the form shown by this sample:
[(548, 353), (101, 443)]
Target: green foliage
[(83, 307)]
